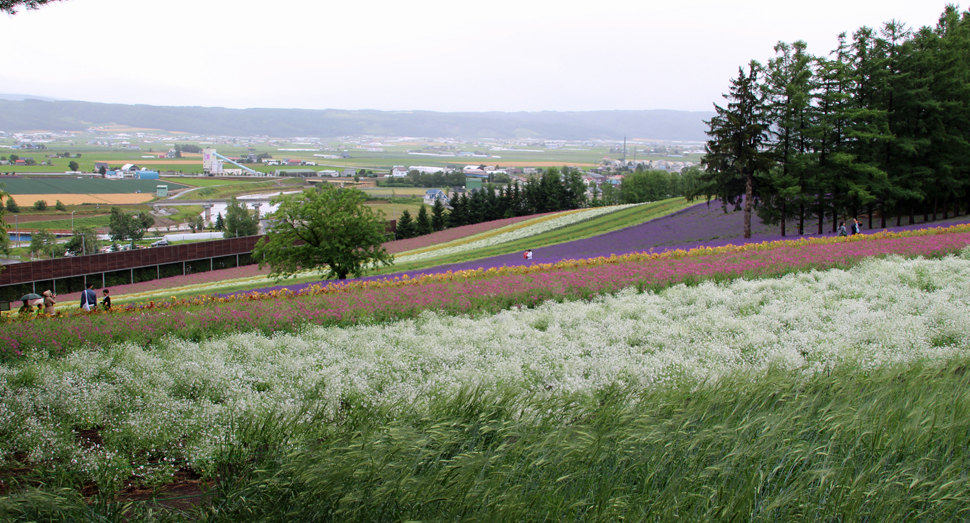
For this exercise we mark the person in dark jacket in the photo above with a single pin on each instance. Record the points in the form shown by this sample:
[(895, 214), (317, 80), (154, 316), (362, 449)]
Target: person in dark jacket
[(89, 300)]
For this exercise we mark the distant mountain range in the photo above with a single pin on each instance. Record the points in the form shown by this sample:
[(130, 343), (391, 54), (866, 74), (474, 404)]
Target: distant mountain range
[(30, 113)]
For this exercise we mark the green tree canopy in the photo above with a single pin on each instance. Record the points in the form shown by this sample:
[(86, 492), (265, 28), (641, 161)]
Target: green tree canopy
[(11, 6), (438, 217), (124, 226), (11, 205), (327, 229), (239, 222), (423, 223), (84, 241), (44, 242)]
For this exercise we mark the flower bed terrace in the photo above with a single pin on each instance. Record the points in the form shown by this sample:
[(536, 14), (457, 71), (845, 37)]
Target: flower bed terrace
[(478, 291)]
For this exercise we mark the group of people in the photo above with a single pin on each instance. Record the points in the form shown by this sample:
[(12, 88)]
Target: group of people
[(855, 228), (89, 301)]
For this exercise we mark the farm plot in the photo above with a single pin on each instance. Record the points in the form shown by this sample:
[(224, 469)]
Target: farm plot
[(67, 185), (26, 200)]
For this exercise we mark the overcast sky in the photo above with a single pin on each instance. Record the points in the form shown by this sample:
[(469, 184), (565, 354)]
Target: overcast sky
[(500, 55)]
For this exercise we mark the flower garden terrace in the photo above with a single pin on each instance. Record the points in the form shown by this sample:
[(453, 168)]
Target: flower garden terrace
[(464, 292)]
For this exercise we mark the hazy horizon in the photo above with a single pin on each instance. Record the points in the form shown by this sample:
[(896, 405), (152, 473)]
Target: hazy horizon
[(427, 55)]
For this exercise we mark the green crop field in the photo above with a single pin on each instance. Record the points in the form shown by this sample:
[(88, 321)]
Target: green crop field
[(205, 182), (67, 185)]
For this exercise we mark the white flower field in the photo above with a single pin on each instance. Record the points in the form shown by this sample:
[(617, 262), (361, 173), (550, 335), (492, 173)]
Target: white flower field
[(181, 400)]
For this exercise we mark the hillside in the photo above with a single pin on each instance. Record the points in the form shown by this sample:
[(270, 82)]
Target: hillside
[(32, 114)]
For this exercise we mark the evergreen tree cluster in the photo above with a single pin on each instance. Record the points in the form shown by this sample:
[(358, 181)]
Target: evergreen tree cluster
[(554, 190), (880, 127)]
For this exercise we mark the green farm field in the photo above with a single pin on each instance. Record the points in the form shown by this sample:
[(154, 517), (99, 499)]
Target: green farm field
[(205, 182), (223, 191), (68, 185)]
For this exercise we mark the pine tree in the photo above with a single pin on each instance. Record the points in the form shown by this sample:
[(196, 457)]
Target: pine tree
[(736, 156), (405, 226), (220, 223), (438, 216), (458, 214), (423, 223), (788, 85)]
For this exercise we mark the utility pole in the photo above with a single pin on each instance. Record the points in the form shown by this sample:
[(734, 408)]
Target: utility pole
[(624, 151)]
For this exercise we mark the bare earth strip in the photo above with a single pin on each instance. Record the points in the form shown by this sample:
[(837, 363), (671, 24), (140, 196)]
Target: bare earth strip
[(78, 199)]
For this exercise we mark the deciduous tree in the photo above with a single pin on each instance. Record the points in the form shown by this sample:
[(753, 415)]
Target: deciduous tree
[(329, 229)]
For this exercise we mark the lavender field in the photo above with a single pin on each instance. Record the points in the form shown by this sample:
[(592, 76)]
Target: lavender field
[(701, 225)]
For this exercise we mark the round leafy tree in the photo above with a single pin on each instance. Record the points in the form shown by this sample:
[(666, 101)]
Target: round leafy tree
[(328, 229)]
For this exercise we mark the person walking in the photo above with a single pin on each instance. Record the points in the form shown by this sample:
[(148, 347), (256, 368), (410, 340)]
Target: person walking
[(855, 226), (842, 231), (528, 254), (106, 301), (50, 299), (89, 299)]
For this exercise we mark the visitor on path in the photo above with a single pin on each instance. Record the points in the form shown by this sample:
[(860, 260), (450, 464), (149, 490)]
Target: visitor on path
[(89, 299), (842, 231), (106, 301), (50, 299), (855, 226)]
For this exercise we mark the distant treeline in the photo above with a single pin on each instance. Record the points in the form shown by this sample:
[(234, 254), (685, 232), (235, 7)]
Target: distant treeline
[(881, 126), (583, 125)]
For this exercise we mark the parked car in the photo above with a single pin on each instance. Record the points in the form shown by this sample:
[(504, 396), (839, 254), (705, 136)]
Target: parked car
[(160, 243)]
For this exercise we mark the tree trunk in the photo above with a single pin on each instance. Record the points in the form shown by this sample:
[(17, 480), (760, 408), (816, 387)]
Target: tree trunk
[(936, 205), (821, 215), (882, 215), (912, 215), (748, 197), (946, 201), (869, 211), (801, 218), (783, 219)]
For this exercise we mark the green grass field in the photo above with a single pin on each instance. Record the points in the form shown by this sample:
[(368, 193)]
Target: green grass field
[(65, 224), (204, 182)]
